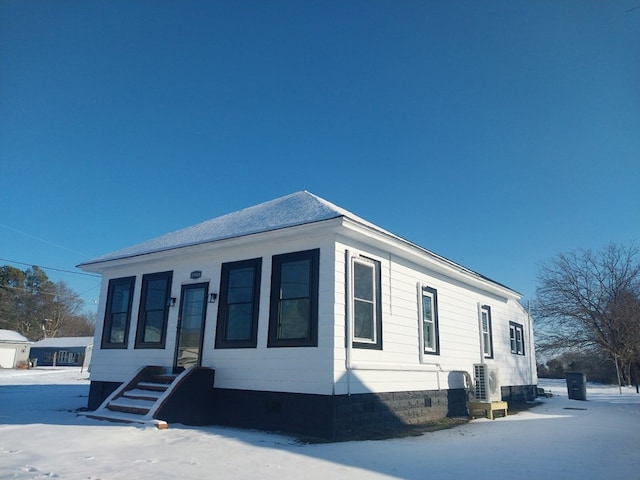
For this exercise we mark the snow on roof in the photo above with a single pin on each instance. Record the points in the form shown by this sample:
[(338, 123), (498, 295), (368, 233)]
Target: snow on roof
[(11, 336), (64, 342), (292, 210), (298, 208)]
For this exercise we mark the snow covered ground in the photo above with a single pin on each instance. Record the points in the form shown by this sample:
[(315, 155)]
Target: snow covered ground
[(42, 437)]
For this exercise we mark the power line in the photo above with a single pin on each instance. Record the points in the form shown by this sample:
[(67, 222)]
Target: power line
[(51, 294), (51, 268), (44, 241)]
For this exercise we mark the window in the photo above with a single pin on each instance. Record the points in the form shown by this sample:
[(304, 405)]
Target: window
[(485, 322), (115, 333), (293, 316), (67, 357), (516, 338), (154, 310), (429, 314), (367, 318), (238, 308)]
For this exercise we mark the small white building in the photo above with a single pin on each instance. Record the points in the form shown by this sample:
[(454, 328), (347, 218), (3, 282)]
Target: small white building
[(14, 350), (314, 320)]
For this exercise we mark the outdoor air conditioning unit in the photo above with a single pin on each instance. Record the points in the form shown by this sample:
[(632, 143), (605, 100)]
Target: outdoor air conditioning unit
[(487, 386)]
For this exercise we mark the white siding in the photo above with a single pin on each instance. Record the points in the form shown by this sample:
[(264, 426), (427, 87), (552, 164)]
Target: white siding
[(331, 367), (398, 366), (291, 369)]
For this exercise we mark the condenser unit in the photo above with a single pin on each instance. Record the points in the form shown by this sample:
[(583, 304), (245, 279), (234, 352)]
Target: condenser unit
[(487, 385)]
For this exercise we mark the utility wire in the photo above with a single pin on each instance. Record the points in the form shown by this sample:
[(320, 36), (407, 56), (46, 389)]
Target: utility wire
[(51, 268), (43, 240), (75, 296)]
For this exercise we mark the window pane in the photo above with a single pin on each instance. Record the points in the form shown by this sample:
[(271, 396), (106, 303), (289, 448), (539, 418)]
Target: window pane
[(519, 342), (120, 299), (156, 294), (363, 281), (363, 321), (428, 323), (118, 325), (240, 285), (428, 336), (294, 280), (238, 322), (427, 308), (153, 326), (487, 345), (294, 319)]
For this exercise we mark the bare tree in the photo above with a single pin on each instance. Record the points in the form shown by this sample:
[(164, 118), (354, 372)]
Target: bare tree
[(590, 301), (34, 306)]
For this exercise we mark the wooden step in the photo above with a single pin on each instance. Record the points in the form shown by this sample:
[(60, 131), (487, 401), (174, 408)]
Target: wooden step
[(137, 393), (157, 387), (131, 409), (133, 402), (122, 417), (165, 377)]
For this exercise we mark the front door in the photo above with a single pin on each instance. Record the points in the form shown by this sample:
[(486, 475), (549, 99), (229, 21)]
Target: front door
[(193, 308)]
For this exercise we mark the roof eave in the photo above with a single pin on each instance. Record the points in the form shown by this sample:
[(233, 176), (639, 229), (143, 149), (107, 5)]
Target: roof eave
[(447, 266), (100, 265)]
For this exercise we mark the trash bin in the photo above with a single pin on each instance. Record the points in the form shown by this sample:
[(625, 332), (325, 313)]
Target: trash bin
[(576, 386)]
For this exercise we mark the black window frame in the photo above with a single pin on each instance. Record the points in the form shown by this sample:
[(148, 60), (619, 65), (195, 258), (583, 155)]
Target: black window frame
[(277, 262), (377, 344), (142, 311), (515, 328), (433, 293), (487, 308), (108, 315), (223, 305)]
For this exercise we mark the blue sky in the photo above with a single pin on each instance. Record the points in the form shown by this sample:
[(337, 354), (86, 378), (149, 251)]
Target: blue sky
[(494, 133)]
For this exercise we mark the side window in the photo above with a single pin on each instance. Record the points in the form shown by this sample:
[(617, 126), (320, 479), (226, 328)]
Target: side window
[(239, 304), (154, 310), (429, 320), (118, 313), (485, 325), (367, 317), (516, 337), (293, 314)]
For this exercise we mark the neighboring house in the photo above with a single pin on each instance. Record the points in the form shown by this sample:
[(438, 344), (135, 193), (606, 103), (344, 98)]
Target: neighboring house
[(315, 321), (14, 350), (62, 351)]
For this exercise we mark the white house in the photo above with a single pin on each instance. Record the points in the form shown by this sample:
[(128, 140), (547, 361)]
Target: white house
[(310, 320), (14, 350)]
